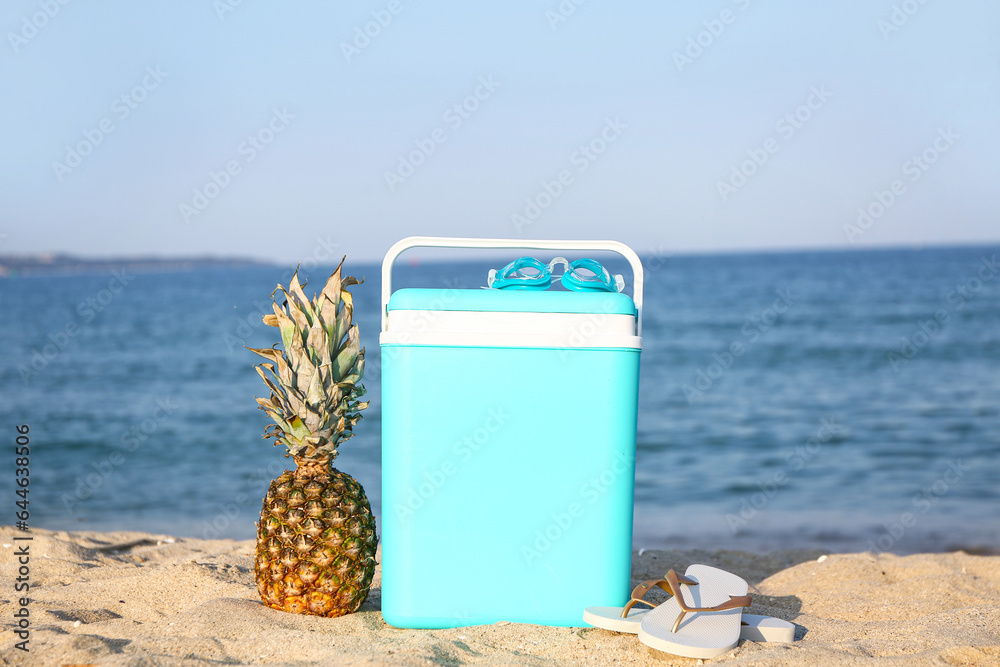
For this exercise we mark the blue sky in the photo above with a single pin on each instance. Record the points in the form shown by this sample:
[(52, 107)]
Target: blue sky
[(275, 130)]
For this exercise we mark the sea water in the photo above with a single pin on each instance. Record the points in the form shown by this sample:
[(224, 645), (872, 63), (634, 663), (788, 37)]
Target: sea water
[(834, 400)]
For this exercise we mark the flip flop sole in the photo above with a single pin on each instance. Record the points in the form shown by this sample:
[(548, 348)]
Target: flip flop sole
[(754, 627), (767, 629), (700, 634), (610, 618)]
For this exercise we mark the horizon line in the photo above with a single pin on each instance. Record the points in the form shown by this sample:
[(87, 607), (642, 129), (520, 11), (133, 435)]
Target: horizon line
[(53, 256)]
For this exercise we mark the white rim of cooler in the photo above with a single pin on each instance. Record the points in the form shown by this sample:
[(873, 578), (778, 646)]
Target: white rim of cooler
[(563, 341), (510, 329), (509, 322)]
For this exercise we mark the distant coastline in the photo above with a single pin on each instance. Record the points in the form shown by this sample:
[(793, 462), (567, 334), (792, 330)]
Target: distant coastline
[(12, 266), (34, 264)]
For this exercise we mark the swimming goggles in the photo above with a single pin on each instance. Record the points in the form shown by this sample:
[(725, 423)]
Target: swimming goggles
[(583, 275)]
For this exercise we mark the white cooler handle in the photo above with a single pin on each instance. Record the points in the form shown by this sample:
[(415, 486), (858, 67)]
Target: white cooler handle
[(458, 242)]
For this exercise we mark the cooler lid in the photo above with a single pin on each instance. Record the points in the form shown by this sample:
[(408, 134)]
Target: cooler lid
[(524, 301)]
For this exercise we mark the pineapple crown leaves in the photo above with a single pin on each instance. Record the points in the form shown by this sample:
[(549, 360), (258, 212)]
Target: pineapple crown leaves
[(315, 379)]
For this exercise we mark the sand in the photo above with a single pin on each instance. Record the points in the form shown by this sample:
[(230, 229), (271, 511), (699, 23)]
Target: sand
[(142, 599)]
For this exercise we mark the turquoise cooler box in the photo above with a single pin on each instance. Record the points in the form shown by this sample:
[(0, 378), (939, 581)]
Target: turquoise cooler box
[(508, 447)]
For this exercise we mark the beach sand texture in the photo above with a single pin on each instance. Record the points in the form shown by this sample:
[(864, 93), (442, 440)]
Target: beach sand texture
[(140, 599)]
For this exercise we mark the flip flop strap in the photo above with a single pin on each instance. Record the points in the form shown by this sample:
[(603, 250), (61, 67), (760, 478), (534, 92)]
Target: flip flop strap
[(639, 592), (734, 602)]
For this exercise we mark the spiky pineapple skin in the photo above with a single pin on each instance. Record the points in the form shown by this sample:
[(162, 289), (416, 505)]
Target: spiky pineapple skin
[(316, 543)]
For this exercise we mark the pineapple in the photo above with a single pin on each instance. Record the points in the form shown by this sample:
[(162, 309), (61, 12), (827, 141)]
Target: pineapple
[(316, 538)]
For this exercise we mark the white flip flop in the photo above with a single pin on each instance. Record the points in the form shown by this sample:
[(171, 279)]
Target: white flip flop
[(701, 620), (753, 627)]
